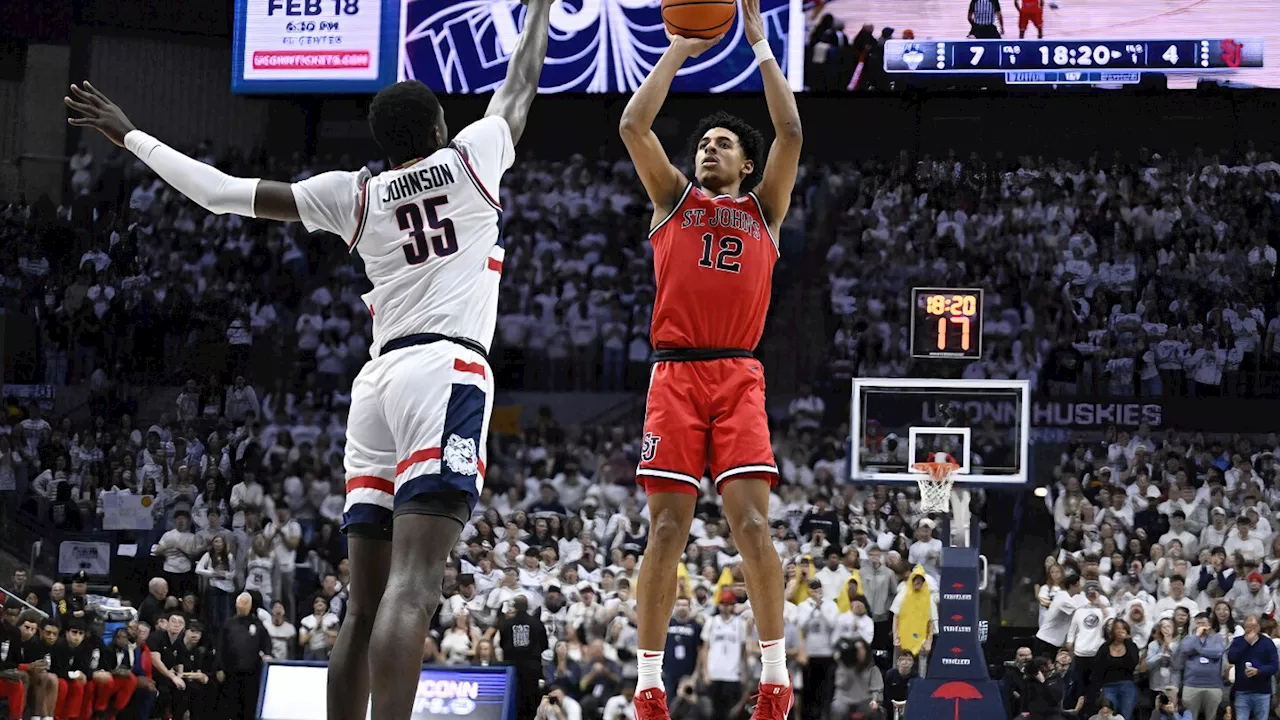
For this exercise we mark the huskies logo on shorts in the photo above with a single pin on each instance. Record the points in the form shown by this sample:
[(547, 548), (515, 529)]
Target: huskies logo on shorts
[(460, 455), (650, 447)]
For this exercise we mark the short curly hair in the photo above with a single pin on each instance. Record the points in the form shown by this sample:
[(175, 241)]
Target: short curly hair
[(749, 138), (403, 118)]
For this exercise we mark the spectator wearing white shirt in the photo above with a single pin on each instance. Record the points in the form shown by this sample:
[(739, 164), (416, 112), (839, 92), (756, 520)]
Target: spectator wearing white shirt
[(1087, 632), (314, 633), (1052, 634), (584, 334), (926, 551), (721, 658), (179, 548), (613, 335), (855, 622), (621, 707), (285, 535), (1178, 531), (807, 409), (242, 399), (1176, 598), (1243, 542), (833, 575)]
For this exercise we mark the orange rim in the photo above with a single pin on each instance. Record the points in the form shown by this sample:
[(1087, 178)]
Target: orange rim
[(939, 471)]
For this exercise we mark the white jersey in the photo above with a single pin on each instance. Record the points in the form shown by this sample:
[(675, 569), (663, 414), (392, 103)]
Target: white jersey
[(428, 232), (725, 640)]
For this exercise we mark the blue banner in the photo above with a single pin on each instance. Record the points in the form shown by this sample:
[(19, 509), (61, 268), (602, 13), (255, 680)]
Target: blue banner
[(462, 46)]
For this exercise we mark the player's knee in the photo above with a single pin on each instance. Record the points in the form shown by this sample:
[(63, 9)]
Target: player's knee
[(420, 592), (752, 528), (665, 530)]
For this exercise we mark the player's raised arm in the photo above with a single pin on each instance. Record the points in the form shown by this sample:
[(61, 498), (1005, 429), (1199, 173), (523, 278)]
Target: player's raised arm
[(513, 99), (663, 181), (774, 190), (205, 185)]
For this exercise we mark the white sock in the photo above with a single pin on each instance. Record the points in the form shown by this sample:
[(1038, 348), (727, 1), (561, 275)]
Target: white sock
[(773, 663), (649, 663)]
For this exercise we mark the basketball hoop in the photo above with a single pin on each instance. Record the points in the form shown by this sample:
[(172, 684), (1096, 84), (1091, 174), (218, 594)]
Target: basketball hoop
[(935, 485)]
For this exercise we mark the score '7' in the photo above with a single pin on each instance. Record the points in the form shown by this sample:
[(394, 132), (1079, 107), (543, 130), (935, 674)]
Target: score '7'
[(977, 54)]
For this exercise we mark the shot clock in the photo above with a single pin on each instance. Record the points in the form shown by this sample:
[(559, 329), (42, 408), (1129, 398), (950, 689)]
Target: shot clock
[(946, 323)]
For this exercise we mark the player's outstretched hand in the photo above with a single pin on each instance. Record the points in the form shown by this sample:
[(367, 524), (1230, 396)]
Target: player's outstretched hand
[(97, 111), (752, 21), (693, 47)]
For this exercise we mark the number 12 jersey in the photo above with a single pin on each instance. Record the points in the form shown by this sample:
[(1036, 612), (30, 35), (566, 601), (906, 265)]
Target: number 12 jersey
[(714, 259)]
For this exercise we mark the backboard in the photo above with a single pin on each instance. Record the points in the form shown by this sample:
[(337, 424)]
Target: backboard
[(983, 425)]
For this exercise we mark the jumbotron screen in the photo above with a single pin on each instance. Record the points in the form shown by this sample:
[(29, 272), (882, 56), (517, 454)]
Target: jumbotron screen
[(1075, 41), (462, 46)]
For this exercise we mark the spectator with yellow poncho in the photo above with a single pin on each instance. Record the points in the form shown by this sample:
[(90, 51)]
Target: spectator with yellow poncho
[(915, 617)]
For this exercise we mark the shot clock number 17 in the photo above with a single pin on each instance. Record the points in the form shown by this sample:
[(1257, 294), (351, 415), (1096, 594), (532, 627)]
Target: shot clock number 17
[(946, 323)]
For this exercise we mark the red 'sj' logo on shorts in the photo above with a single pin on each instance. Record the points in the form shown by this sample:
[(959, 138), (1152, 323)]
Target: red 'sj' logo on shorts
[(650, 447)]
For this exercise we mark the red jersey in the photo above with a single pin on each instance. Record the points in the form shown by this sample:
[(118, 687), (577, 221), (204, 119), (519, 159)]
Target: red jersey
[(1030, 6), (713, 258)]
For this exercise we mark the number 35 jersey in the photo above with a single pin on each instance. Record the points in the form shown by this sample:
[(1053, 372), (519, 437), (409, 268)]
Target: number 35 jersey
[(714, 259), (428, 232)]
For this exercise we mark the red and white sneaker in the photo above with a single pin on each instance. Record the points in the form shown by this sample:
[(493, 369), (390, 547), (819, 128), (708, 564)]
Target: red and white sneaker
[(773, 702), (651, 704)]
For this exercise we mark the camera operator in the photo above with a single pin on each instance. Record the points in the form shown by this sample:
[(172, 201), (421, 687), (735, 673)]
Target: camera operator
[(859, 686), (1168, 706), (1045, 686), (556, 705), (688, 704), (1013, 688)]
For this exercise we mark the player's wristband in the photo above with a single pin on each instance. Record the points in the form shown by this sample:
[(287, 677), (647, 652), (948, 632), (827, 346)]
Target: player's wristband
[(762, 50)]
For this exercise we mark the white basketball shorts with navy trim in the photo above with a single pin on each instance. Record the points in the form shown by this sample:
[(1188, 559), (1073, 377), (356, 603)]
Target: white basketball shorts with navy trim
[(418, 425)]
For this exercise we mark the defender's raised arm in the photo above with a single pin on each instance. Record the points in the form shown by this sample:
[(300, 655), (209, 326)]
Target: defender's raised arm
[(513, 99)]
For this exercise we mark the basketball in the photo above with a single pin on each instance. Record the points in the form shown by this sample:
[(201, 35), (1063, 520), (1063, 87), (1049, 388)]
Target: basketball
[(698, 18)]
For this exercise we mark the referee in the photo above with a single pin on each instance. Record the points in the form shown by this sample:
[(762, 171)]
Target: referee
[(985, 20)]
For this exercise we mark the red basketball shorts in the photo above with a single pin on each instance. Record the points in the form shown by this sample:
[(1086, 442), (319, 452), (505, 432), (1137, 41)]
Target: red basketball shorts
[(1031, 17), (705, 414)]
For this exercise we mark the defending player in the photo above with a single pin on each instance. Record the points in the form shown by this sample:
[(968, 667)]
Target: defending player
[(714, 252), (428, 231)]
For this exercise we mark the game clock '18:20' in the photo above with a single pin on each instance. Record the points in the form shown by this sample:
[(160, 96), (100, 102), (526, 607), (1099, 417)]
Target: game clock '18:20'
[(946, 323)]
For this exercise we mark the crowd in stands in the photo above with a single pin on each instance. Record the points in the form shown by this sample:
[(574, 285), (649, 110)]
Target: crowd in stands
[(1160, 598), (1121, 279), (1159, 267)]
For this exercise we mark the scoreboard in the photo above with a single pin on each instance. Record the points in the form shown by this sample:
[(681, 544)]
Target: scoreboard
[(1075, 61)]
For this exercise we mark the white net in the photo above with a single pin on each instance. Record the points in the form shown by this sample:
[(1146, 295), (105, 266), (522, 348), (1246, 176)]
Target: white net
[(935, 485)]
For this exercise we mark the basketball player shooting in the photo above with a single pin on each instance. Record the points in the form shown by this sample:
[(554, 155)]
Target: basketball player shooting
[(714, 251), (428, 232)]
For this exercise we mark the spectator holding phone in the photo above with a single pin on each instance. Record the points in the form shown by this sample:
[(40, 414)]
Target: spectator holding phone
[(1254, 656), (688, 704), (556, 705), (1168, 706)]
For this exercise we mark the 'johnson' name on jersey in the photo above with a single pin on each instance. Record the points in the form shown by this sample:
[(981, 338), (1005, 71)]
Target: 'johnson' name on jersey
[(417, 182)]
